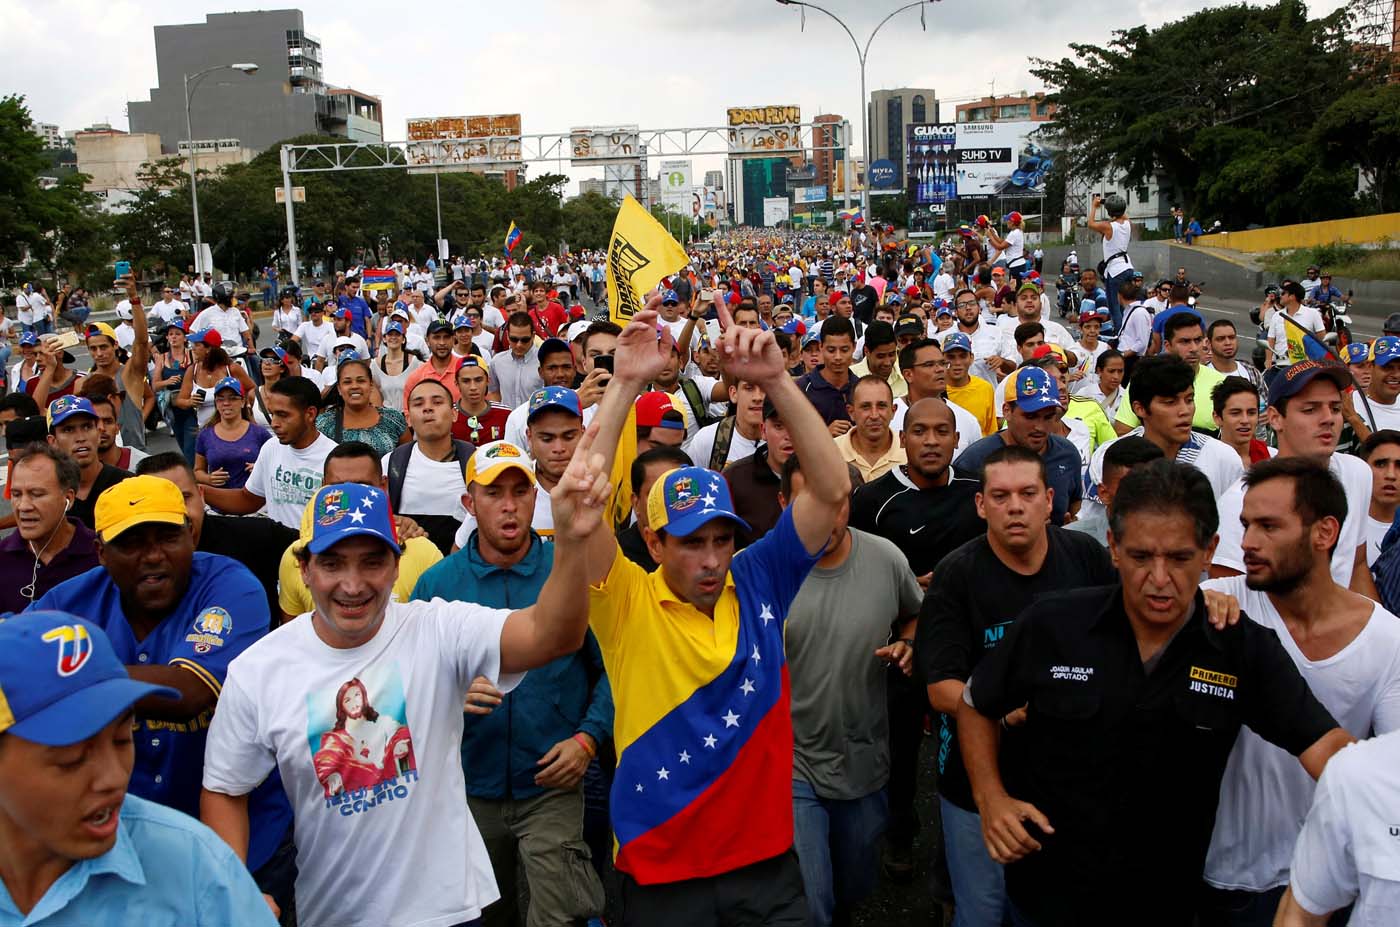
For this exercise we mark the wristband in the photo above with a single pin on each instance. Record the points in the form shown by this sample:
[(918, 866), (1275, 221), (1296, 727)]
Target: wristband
[(587, 747)]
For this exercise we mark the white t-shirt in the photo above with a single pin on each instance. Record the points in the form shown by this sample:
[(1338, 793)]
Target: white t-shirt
[(1386, 415), (1355, 477), (699, 447), (1265, 793), (1375, 533), (943, 284), (542, 521), (286, 320), (314, 337), (1308, 317), (1055, 334), (229, 323), (1346, 851), (39, 307), (1214, 458), (401, 818), (969, 429), (986, 341), (287, 478), (327, 347), (166, 311), (1015, 246), (1087, 361), (1137, 329), (430, 487)]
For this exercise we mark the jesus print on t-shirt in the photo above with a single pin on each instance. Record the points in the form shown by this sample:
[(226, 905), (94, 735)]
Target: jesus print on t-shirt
[(365, 743)]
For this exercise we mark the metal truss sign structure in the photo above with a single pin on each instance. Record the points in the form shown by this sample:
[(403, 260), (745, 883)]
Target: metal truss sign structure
[(456, 154)]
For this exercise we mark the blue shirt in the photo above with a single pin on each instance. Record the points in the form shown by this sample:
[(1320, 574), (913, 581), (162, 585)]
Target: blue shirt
[(224, 610), (165, 870), (500, 751), (359, 314), (1062, 465), (1159, 321)]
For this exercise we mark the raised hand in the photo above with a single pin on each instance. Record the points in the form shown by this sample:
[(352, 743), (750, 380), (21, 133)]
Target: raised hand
[(582, 492), (644, 347), (749, 354)]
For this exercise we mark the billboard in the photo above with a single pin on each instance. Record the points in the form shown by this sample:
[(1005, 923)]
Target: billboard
[(810, 194), (463, 143), (1001, 159), (884, 174), (764, 130), (676, 185), (603, 145), (931, 170), (775, 210)]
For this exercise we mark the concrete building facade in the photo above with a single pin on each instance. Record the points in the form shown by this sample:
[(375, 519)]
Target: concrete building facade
[(889, 113), (285, 97), (113, 159)]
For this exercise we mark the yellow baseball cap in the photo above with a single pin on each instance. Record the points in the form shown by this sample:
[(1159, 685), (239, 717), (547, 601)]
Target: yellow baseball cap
[(100, 328), (472, 360), (136, 501), (491, 460)]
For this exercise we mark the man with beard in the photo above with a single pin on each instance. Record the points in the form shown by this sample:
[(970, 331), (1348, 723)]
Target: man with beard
[(985, 340), (73, 430), (1305, 412), (524, 753), (1347, 649)]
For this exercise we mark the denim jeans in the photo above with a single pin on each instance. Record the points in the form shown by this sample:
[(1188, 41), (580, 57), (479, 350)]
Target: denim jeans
[(979, 883), (838, 848), (1115, 310)]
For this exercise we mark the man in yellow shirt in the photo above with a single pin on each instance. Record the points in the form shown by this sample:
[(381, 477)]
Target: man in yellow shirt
[(351, 462), (974, 394), (870, 446)]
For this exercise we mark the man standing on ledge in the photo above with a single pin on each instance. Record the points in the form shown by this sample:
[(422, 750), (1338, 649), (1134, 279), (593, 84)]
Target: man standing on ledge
[(702, 802)]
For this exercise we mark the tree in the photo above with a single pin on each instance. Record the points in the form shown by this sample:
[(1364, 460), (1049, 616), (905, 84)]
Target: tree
[(588, 220), (1165, 99), (892, 210), (1362, 127)]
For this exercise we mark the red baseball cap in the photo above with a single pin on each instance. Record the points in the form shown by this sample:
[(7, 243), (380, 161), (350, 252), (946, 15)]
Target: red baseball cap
[(652, 408), (911, 291), (836, 296)]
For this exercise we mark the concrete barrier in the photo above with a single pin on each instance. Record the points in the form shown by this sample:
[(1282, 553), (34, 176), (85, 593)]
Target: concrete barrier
[(1363, 230)]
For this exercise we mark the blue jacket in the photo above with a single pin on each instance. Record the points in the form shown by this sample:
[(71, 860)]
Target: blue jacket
[(501, 751)]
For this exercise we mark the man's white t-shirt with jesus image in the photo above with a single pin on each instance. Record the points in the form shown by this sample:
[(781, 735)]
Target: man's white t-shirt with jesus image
[(368, 743)]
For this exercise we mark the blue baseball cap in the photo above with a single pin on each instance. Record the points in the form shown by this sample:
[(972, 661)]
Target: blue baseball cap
[(273, 353), (669, 297), (394, 327), (60, 679), (957, 341), (229, 383), (794, 326), (344, 357), (1035, 390), (460, 321), (1385, 350), (65, 407), (346, 510), (28, 339), (1358, 352), (687, 498), (553, 397), (1297, 376)]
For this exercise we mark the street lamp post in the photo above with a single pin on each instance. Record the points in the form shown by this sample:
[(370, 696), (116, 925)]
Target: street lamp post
[(191, 84), (861, 55)]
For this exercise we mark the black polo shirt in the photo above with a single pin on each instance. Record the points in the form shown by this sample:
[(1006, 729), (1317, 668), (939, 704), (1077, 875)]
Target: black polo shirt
[(972, 599), (925, 524), (830, 401), (1127, 764)]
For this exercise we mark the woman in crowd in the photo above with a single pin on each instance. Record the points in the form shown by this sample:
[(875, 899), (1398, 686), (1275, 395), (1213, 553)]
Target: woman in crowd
[(351, 414), (211, 365), (271, 367), (228, 445), (393, 366)]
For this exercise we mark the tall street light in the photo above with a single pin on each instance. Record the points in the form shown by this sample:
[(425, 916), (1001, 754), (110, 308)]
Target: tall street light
[(862, 54), (191, 84)]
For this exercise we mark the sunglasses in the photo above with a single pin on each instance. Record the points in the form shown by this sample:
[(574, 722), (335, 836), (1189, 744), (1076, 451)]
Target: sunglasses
[(525, 340)]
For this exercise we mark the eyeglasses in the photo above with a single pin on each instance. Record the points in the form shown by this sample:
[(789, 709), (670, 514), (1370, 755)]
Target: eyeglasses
[(965, 304), (931, 365)]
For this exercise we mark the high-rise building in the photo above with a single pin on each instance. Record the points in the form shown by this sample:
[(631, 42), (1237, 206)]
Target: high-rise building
[(888, 113), (714, 180), (285, 97), (827, 160), (1012, 107), (50, 133)]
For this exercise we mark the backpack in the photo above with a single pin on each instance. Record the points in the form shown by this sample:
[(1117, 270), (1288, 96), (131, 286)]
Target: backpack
[(398, 465), (698, 405), (724, 436)]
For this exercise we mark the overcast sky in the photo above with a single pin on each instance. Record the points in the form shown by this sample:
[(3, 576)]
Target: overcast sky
[(563, 63)]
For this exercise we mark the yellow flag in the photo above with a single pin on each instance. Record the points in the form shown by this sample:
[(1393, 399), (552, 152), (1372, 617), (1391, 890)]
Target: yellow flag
[(640, 253)]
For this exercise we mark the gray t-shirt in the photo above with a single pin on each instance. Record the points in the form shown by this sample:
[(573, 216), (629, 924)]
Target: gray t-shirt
[(839, 619)]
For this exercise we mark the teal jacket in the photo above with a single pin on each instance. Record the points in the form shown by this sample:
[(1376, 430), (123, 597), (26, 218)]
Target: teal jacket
[(500, 751)]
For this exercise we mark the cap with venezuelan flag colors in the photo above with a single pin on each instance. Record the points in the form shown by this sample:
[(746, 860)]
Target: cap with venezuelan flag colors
[(686, 499)]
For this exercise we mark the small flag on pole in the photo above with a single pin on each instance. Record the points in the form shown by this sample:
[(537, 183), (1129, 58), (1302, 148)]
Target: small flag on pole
[(527, 250), (513, 236)]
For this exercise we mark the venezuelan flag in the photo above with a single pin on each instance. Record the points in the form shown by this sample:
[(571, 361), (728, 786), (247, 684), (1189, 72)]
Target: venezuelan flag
[(850, 214), (1303, 344), (513, 236)]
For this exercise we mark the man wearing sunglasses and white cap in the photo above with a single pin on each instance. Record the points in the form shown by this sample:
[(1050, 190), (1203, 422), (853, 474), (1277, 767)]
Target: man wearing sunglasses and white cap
[(77, 849)]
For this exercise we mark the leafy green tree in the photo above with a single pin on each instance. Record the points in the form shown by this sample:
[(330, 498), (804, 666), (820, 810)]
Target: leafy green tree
[(588, 220), (1171, 99), (1362, 127)]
